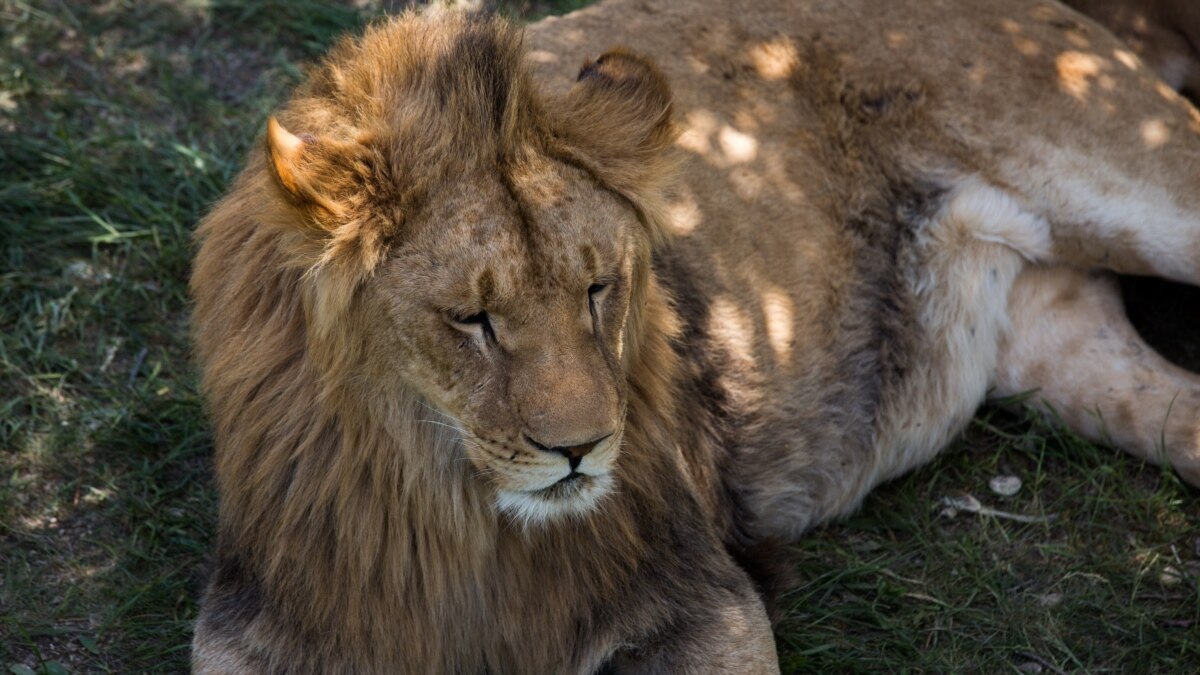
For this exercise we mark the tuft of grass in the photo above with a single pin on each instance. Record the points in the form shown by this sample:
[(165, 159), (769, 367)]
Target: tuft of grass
[(121, 122), (307, 25)]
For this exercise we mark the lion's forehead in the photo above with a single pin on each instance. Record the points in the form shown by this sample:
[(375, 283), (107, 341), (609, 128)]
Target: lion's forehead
[(526, 234)]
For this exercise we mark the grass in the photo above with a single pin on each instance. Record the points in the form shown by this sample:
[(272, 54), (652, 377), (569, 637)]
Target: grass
[(121, 121), (1107, 584)]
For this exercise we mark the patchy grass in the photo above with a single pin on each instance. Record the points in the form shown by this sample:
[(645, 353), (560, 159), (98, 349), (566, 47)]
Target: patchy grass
[(120, 122), (1107, 583)]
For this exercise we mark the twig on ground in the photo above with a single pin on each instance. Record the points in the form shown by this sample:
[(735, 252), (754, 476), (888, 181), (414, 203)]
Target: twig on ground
[(970, 504)]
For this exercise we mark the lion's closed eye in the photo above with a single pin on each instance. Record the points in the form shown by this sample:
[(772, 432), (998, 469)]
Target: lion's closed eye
[(476, 324)]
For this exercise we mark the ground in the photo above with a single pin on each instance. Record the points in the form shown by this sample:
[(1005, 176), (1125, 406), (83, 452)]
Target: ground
[(121, 122)]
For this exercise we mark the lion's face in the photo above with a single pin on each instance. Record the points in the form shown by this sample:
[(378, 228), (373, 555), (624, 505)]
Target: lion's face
[(485, 240), (506, 310)]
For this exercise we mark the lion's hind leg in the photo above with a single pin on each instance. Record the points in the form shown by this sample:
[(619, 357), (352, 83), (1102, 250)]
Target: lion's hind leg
[(1071, 342)]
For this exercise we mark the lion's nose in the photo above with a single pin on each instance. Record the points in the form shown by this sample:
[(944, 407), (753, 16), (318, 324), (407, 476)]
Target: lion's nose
[(573, 453)]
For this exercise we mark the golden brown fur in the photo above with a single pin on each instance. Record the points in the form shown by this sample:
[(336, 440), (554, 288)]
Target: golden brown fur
[(452, 280), (1163, 33)]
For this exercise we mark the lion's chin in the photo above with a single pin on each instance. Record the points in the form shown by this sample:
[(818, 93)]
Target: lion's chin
[(574, 498)]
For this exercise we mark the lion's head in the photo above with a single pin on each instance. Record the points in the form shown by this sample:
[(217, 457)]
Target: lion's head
[(473, 244), (505, 307)]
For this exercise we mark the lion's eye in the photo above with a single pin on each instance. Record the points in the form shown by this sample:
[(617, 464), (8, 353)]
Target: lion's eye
[(596, 295), (475, 324)]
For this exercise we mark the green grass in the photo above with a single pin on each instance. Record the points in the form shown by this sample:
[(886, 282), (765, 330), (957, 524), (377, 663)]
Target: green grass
[(1108, 584), (122, 121)]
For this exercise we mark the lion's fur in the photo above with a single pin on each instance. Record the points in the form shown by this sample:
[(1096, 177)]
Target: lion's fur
[(813, 297), (1164, 33)]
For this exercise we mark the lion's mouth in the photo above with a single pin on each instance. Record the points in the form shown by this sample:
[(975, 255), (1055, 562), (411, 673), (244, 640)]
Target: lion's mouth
[(573, 495), (567, 486)]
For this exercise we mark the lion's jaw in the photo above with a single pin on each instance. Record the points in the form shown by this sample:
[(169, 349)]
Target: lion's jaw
[(565, 496), (546, 488)]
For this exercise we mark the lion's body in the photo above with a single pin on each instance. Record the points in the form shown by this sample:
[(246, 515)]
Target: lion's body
[(872, 150), (883, 211)]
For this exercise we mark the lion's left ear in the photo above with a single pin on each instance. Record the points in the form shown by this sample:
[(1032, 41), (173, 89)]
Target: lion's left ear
[(618, 115)]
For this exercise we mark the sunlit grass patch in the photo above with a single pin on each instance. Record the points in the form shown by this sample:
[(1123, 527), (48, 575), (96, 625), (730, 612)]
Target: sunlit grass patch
[(118, 133)]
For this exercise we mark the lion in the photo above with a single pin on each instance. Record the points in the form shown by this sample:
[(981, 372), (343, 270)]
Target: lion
[(521, 368)]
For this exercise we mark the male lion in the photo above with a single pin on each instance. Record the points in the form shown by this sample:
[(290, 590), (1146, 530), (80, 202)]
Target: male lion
[(514, 375)]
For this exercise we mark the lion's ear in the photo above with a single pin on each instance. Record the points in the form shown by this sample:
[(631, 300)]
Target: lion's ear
[(302, 166), (619, 117)]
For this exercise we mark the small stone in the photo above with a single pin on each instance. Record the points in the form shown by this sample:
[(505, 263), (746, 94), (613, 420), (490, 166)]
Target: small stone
[(82, 271), (1030, 667), (1049, 599), (1170, 576), (1005, 486)]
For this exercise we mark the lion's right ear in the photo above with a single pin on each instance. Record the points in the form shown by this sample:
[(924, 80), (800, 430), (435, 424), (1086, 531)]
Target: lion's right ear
[(304, 166), (618, 116)]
